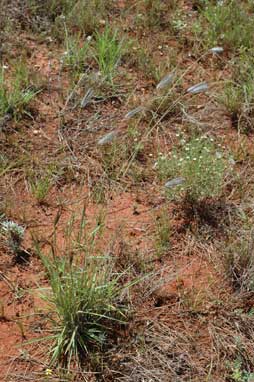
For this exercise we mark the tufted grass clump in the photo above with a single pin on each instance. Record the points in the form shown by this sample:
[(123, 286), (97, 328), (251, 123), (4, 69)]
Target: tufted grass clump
[(238, 93), (199, 165), (76, 52), (85, 305), (87, 298), (239, 102), (16, 93), (156, 14), (238, 260), (108, 50), (40, 188)]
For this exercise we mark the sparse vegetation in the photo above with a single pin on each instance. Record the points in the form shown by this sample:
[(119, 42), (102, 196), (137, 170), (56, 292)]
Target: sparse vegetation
[(157, 13), (85, 18), (227, 24), (139, 115)]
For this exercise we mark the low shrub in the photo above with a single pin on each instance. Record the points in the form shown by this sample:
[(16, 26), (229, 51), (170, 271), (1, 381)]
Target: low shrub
[(200, 166)]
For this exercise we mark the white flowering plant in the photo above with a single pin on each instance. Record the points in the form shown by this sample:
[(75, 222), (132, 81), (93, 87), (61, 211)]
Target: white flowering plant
[(200, 166)]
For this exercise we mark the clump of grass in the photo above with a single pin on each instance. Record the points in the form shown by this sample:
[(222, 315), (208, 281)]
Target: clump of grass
[(40, 188), (238, 94), (167, 105), (76, 52), (87, 17), (157, 13), (162, 232), (86, 297), (201, 166), (113, 155), (108, 50), (141, 58), (239, 260), (14, 235), (85, 304), (239, 102), (226, 23), (16, 93)]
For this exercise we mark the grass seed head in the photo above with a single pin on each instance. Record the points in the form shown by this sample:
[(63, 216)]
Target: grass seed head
[(167, 80), (199, 88), (108, 138)]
